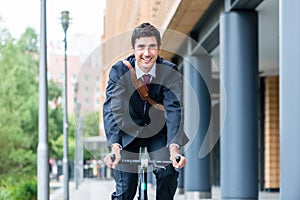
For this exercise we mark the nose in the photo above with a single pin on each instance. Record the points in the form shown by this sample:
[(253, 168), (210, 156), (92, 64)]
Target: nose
[(146, 51)]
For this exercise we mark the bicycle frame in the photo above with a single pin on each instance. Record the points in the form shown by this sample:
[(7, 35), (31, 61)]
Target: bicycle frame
[(143, 184), (143, 170), (144, 163)]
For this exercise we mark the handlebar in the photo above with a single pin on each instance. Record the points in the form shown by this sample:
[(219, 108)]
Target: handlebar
[(146, 161)]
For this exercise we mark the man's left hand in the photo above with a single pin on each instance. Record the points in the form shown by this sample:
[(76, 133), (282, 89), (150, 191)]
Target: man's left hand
[(174, 152)]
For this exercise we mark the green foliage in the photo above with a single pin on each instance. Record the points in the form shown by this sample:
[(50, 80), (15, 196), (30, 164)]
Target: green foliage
[(26, 190), (55, 122), (56, 150), (18, 104), (91, 124), (91, 129), (19, 117), (28, 41), (54, 91), (14, 188)]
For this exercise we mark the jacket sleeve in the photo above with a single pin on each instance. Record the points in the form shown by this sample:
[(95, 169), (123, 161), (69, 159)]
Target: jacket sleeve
[(116, 117), (111, 129), (173, 102)]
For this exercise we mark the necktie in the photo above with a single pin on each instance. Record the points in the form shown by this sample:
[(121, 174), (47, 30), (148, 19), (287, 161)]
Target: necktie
[(147, 78)]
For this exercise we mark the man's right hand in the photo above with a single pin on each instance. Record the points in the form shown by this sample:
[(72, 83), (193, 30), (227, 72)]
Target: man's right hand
[(116, 152)]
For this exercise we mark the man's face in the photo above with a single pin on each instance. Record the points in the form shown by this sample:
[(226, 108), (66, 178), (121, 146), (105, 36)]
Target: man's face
[(146, 52)]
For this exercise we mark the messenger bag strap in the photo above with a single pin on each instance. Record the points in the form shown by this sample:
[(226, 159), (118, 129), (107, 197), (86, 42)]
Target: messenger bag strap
[(142, 88)]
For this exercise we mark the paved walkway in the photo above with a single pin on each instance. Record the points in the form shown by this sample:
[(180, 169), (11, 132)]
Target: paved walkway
[(89, 189), (93, 189)]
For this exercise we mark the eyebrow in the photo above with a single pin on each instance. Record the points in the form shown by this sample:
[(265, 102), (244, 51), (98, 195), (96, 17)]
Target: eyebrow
[(143, 45)]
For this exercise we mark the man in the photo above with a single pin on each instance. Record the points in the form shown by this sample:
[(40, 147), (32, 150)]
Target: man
[(131, 122)]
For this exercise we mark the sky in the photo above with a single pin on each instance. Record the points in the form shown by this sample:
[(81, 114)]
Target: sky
[(86, 24)]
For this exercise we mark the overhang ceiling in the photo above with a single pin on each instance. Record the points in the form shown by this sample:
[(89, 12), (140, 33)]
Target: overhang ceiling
[(185, 18)]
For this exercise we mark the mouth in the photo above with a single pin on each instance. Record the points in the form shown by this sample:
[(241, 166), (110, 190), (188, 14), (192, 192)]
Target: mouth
[(147, 60)]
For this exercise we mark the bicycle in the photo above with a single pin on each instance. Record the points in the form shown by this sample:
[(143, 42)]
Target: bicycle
[(144, 163)]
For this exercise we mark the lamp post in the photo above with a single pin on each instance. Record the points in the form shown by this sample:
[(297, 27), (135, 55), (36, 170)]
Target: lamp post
[(65, 25), (76, 133), (43, 144)]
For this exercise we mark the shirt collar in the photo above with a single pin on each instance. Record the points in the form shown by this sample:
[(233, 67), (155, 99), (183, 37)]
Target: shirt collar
[(140, 73)]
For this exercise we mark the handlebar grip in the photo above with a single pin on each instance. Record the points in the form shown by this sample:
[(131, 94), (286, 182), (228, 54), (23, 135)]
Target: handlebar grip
[(113, 157), (178, 158)]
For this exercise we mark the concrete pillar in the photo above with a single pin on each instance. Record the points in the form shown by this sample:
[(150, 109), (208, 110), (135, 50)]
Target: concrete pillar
[(197, 118), (289, 85), (238, 104)]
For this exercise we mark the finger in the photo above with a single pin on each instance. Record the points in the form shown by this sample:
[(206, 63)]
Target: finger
[(107, 161), (116, 161), (180, 164), (176, 164), (183, 163), (114, 164), (113, 157)]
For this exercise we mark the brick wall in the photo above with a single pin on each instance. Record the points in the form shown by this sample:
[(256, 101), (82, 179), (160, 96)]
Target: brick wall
[(272, 149)]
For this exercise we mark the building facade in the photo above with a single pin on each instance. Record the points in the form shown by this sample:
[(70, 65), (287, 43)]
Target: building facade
[(83, 79), (240, 60)]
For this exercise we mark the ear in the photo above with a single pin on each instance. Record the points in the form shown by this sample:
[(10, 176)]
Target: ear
[(131, 49)]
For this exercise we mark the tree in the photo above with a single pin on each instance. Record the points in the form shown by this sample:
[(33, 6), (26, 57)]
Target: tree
[(55, 121), (19, 115), (91, 124), (18, 110)]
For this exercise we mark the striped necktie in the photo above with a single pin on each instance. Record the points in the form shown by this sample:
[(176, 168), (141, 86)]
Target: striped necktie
[(147, 78)]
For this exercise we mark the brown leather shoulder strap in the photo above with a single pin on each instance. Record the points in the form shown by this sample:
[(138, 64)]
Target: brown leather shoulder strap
[(132, 74), (142, 88)]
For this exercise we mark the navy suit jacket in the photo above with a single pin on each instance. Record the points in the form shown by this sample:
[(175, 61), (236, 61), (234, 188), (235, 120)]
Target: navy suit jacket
[(123, 110)]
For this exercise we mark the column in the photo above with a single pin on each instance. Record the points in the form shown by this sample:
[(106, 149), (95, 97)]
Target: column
[(197, 118), (238, 104), (289, 86)]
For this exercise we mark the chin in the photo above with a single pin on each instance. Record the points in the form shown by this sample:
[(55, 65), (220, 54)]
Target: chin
[(149, 65)]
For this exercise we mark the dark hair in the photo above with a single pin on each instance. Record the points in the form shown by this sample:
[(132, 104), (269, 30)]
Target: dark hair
[(145, 30)]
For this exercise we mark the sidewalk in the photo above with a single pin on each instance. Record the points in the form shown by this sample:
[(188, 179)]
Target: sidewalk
[(89, 189), (94, 189)]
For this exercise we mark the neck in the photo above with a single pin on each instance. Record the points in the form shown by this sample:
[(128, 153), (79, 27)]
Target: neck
[(146, 71)]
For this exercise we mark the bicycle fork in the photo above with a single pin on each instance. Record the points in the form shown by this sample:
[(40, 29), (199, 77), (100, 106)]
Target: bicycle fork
[(143, 184)]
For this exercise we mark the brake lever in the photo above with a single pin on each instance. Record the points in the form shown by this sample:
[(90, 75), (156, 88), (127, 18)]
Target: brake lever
[(158, 166)]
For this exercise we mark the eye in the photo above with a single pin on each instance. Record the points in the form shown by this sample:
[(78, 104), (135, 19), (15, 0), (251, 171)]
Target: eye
[(152, 46), (140, 47)]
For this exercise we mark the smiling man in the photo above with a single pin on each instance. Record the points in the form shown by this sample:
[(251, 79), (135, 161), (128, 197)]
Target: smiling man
[(132, 123)]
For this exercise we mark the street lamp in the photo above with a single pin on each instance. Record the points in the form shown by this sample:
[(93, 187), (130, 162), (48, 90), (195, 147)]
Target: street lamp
[(43, 144), (65, 24), (76, 116)]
